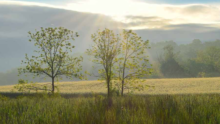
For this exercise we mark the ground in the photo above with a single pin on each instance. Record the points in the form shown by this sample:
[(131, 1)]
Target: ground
[(161, 86)]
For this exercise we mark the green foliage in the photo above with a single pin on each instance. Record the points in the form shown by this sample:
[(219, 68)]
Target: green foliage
[(169, 66), (189, 59), (201, 74), (53, 59), (23, 86), (132, 64), (3, 98), (122, 57), (185, 56), (210, 56), (193, 68), (157, 109), (105, 49), (115, 92), (26, 87), (206, 63)]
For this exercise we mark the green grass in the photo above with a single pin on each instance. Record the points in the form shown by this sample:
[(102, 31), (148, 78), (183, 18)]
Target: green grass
[(173, 101), (154, 109)]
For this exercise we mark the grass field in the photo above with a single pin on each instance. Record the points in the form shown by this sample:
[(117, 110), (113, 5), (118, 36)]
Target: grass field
[(152, 109), (162, 86), (179, 101)]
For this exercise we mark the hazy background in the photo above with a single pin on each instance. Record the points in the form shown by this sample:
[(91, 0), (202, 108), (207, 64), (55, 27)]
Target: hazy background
[(175, 21)]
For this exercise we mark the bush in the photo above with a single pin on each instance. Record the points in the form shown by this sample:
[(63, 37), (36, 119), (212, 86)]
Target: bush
[(201, 74), (3, 98)]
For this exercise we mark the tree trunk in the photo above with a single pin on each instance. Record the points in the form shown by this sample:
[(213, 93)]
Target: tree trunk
[(52, 84), (122, 88), (108, 83), (108, 91)]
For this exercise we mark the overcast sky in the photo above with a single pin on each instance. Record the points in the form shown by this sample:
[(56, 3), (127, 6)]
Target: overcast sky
[(155, 20)]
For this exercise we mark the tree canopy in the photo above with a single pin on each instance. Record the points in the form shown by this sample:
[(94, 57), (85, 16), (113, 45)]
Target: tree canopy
[(53, 57), (122, 58)]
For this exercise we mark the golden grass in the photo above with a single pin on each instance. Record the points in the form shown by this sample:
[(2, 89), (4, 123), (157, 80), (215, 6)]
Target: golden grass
[(162, 86)]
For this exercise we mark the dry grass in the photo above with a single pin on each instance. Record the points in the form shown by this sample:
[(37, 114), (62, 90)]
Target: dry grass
[(162, 86)]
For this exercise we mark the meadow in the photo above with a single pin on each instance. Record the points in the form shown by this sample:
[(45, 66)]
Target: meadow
[(154, 109), (161, 86), (172, 101)]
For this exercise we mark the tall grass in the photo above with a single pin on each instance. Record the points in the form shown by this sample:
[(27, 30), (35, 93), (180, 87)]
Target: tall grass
[(161, 109)]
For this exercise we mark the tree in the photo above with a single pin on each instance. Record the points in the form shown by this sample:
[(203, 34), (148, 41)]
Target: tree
[(169, 66), (105, 49), (133, 64), (193, 68), (53, 59), (122, 58), (210, 56), (208, 61)]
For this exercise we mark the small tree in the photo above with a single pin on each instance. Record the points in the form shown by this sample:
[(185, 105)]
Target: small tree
[(133, 64), (105, 50), (53, 59)]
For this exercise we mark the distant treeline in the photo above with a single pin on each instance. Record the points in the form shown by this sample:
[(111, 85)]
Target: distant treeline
[(169, 60), (196, 59)]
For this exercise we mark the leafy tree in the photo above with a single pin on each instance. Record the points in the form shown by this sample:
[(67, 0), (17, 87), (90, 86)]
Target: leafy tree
[(210, 56), (169, 66), (122, 58), (189, 51), (105, 49), (133, 64), (193, 68), (52, 58), (207, 61)]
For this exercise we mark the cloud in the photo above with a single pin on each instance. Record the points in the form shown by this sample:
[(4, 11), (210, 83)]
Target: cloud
[(198, 9), (198, 28), (200, 14), (161, 16), (16, 20), (180, 1), (141, 22), (28, 3), (165, 14)]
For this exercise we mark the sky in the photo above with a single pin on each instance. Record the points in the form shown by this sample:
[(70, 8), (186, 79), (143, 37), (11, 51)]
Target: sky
[(181, 21), (151, 14), (148, 1)]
